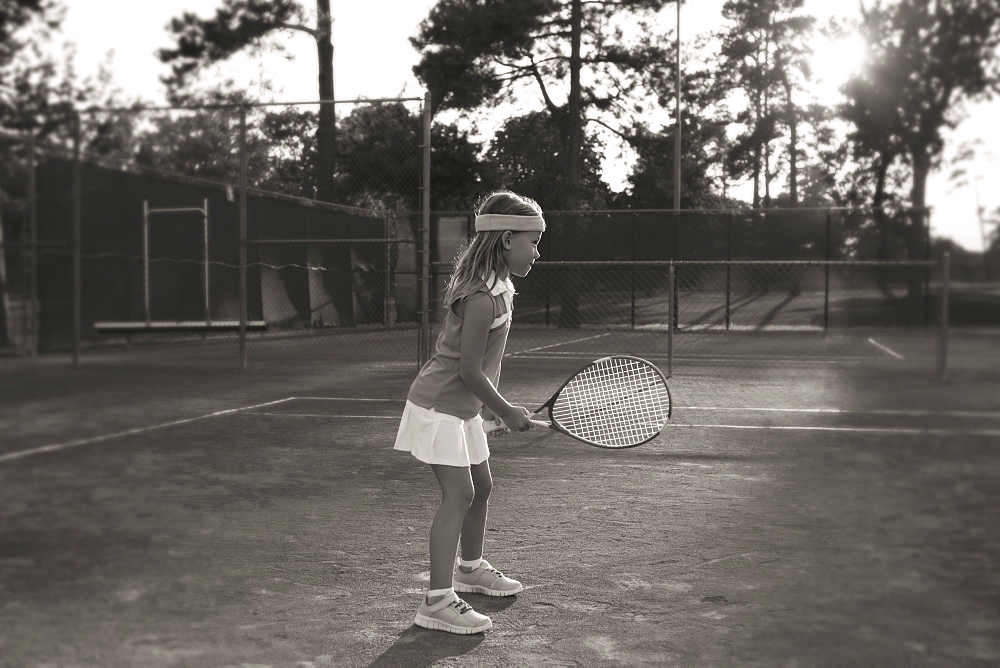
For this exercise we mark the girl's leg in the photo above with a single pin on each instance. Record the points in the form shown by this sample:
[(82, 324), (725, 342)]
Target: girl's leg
[(474, 526), (457, 495)]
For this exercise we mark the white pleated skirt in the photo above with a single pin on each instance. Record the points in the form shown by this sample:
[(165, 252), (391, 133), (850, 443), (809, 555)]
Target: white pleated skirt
[(439, 438)]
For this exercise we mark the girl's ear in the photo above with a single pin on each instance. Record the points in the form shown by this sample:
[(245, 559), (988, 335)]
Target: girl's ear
[(507, 239)]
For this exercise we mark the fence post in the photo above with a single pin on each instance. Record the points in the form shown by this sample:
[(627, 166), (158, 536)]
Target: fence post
[(942, 342), (729, 266), (826, 277), (632, 270), (243, 238), (35, 320), (423, 339), (670, 319), (77, 234)]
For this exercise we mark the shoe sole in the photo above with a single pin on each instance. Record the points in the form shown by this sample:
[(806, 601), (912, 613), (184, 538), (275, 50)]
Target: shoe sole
[(479, 589), (437, 625)]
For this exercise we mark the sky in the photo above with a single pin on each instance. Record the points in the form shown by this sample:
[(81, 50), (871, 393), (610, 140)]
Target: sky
[(373, 58)]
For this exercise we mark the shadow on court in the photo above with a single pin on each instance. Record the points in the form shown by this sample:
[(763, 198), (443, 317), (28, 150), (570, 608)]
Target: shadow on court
[(420, 647), (193, 517)]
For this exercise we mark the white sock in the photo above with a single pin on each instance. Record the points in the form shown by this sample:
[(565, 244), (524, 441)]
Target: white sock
[(473, 564), (439, 592)]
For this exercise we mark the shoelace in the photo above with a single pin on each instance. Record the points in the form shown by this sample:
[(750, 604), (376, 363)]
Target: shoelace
[(461, 606)]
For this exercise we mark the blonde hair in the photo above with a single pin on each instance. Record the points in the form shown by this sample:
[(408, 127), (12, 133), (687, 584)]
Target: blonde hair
[(484, 254)]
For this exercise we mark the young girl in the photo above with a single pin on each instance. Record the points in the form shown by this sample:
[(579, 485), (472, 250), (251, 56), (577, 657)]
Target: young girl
[(442, 425)]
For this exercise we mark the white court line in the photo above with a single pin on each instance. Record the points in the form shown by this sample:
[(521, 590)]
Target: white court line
[(330, 415), (695, 360), (554, 345), (873, 430), (844, 411), (344, 399), (836, 411), (885, 348), (676, 425), (53, 447)]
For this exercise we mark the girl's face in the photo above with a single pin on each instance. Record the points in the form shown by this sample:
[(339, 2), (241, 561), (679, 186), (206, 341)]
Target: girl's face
[(521, 251)]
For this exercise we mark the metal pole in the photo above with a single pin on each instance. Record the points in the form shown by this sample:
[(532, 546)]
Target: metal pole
[(942, 343), (243, 238), (826, 279), (425, 237), (208, 311), (34, 315), (677, 137), (729, 269), (670, 320), (145, 259), (632, 270), (387, 282), (77, 234)]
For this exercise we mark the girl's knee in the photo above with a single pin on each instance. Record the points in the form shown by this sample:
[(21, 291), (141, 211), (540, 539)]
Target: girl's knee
[(482, 491), (459, 497)]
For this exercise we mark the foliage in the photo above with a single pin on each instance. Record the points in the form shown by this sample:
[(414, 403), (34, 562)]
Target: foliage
[(765, 53), (235, 26), (924, 58), (527, 154), (241, 24), (481, 53)]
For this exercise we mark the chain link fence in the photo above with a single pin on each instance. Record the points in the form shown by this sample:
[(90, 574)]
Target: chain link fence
[(212, 225), (688, 312)]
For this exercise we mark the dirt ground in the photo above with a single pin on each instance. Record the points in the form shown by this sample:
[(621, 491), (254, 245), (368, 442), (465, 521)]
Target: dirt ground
[(205, 517)]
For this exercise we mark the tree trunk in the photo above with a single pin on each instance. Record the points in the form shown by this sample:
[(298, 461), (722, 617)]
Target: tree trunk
[(340, 256), (574, 122), (792, 119), (326, 137), (569, 313), (883, 223), (914, 236)]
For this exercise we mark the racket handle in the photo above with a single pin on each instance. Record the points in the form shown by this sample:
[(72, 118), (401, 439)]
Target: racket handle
[(497, 425)]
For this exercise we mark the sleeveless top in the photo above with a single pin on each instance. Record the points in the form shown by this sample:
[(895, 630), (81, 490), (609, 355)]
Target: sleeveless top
[(439, 385)]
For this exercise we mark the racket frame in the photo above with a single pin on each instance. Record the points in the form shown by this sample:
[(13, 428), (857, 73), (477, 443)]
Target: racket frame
[(550, 403)]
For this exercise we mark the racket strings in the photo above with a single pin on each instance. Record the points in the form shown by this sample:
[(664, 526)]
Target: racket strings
[(616, 402)]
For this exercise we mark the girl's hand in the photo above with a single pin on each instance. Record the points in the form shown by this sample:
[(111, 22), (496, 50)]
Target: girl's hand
[(518, 419)]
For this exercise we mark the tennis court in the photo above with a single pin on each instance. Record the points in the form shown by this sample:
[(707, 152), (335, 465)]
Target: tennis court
[(838, 509)]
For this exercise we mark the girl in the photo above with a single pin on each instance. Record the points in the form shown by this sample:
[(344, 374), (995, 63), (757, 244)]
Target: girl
[(442, 425)]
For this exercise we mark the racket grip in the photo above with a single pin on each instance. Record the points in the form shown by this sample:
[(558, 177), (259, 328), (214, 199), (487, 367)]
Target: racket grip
[(498, 425)]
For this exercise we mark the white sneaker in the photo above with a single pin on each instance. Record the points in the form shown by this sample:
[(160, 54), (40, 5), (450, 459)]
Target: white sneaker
[(451, 614), (486, 580)]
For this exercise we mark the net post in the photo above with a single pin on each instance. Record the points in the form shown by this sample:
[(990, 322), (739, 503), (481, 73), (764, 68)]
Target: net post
[(243, 238), (635, 216), (145, 260), (942, 342), (35, 322), (729, 268), (77, 224), (670, 320), (423, 340), (826, 277), (208, 307)]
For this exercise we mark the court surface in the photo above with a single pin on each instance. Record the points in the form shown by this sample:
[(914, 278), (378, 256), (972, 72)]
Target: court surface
[(825, 506)]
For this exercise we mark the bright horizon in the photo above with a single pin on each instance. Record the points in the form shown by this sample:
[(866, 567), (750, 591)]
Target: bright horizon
[(375, 34)]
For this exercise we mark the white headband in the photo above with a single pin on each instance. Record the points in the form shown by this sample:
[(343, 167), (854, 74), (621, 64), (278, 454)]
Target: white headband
[(500, 222)]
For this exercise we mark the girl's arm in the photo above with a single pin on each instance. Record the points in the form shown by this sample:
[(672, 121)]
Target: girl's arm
[(478, 316)]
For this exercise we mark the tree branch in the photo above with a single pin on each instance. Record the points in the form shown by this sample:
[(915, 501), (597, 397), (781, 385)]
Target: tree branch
[(549, 104), (628, 138), (295, 26)]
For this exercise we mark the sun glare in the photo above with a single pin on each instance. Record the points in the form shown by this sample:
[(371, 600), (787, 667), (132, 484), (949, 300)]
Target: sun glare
[(833, 62)]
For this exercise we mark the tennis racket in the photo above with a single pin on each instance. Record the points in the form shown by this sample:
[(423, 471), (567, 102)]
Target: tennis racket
[(614, 402)]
